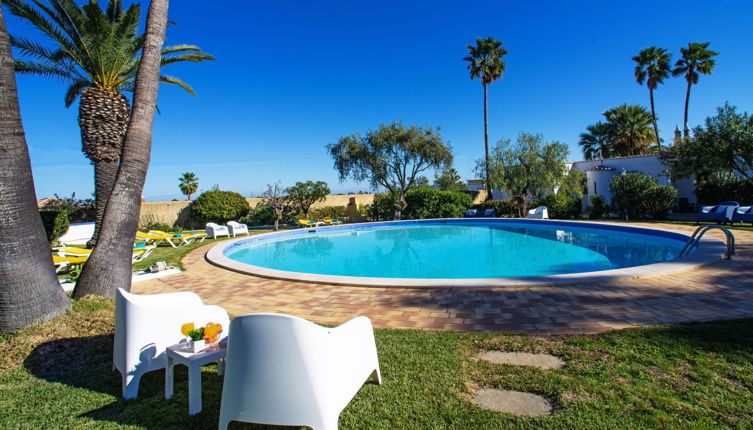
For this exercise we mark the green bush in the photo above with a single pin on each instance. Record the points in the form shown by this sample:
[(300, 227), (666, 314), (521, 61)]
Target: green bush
[(55, 221), (599, 207), (560, 206), (501, 207), (161, 226), (723, 186), (328, 212), (659, 200), (382, 209), (261, 214), (219, 206), (638, 194), (427, 202)]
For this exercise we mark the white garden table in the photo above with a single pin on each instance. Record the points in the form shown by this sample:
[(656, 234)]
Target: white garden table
[(194, 361)]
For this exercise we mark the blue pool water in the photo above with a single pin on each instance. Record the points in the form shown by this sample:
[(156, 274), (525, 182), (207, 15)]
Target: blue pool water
[(457, 249)]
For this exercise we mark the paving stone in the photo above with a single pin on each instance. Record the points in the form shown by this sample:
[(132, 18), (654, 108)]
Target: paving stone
[(513, 402), (542, 361), (721, 290)]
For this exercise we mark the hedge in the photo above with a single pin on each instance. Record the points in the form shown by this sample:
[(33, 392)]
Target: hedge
[(219, 207)]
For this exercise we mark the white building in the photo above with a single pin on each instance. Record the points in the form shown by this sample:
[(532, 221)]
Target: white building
[(599, 172)]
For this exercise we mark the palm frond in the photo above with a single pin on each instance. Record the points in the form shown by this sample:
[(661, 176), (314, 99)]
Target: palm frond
[(175, 81), (75, 90)]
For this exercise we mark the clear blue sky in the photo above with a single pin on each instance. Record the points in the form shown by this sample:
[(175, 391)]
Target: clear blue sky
[(291, 77)]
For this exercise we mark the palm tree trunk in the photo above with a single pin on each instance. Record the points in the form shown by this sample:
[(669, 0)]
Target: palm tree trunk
[(109, 266), (486, 144), (29, 289), (685, 130), (105, 172), (653, 115)]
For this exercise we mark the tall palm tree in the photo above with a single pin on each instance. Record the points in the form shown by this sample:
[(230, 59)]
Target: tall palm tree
[(653, 67), (695, 59), (189, 183), (485, 63), (630, 131), (109, 266), (97, 52), (29, 289), (596, 141)]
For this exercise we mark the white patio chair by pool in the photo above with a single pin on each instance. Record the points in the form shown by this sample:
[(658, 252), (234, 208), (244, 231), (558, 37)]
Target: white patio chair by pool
[(237, 228), (284, 370), (77, 234), (147, 324), (540, 212), (216, 230)]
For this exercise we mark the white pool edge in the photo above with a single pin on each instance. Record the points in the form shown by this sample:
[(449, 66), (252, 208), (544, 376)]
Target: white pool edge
[(709, 251)]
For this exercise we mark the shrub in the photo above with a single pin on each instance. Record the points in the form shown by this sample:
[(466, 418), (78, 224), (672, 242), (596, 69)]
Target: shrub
[(659, 200), (636, 194), (501, 207), (219, 206), (55, 221), (161, 226), (722, 186), (427, 202), (261, 214), (599, 207), (383, 208), (78, 210), (560, 206), (328, 212)]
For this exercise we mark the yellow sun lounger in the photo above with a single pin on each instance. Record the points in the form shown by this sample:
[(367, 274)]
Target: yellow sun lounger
[(186, 238), (63, 262), (156, 239), (309, 223), (139, 252), (332, 221)]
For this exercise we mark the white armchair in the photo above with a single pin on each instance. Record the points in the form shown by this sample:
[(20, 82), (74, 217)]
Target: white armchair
[(237, 228), (284, 370), (540, 212), (147, 324), (216, 230)]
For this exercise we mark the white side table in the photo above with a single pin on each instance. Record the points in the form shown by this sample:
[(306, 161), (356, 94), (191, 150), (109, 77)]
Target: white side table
[(194, 361)]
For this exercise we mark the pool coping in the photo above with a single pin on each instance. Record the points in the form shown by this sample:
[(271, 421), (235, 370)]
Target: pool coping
[(709, 251)]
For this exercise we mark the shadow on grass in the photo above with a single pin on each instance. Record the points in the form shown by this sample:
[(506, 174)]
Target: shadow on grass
[(86, 362)]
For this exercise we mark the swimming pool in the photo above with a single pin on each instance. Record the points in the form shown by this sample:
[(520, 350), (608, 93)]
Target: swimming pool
[(449, 252)]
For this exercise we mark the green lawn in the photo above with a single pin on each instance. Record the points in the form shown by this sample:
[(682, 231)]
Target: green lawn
[(58, 375)]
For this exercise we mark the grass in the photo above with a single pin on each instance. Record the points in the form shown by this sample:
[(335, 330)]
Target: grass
[(58, 375)]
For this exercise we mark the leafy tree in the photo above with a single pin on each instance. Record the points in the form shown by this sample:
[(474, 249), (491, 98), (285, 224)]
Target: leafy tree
[(596, 142), (281, 203), (629, 129), (391, 157), (219, 206), (427, 202), (305, 194), (724, 144), (636, 194), (97, 53), (189, 183), (530, 167), (696, 58), (485, 63), (29, 289), (109, 266), (449, 180), (652, 67)]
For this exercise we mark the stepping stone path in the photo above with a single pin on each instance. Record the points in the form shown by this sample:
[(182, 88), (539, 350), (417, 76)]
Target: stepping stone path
[(513, 402), (542, 361), (517, 402)]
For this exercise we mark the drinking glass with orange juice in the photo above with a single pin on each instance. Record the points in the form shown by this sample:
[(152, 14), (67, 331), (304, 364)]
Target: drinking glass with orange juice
[(185, 328)]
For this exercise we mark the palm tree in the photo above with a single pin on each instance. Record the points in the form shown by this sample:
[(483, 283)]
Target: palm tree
[(29, 289), (97, 52), (486, 63), (189, 183), (630, 131), (695, 59), (596, 141), (109, 266), (652, 66)]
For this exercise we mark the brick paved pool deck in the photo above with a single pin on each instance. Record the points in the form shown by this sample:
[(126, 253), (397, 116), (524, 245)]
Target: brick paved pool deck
[(720, 290)]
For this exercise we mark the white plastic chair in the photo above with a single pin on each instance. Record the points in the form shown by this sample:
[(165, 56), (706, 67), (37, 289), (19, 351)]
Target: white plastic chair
[(237, 228), (284, 370), (147, 324), (216, 230), (540, 212), (77, 234)]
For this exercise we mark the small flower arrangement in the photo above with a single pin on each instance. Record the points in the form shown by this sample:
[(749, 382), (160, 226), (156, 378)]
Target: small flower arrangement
[(201, 336)]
